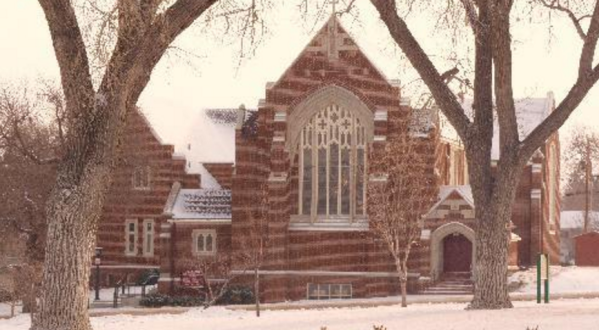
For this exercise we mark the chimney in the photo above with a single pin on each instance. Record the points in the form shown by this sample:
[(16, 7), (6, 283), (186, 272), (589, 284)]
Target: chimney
[(240, 116)]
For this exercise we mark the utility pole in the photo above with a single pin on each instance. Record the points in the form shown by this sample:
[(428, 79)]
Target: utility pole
[(588, 185)]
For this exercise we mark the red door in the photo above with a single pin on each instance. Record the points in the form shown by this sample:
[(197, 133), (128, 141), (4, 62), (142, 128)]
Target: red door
[(457, 253)]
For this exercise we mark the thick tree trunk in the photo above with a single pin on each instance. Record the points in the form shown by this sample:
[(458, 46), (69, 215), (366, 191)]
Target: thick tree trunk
[(257, 291), (490, 270), (72, 220), (493, 213)]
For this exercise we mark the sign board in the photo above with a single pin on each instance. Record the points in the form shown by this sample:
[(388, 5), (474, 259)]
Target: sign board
[(544, 267), (97, 261)]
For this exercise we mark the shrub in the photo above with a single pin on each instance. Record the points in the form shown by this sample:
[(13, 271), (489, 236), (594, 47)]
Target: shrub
[(161, 300), (237, 295)]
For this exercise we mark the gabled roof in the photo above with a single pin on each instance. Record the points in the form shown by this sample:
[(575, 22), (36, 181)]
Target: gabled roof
[(208, 204), (465, 192), (322, 41)]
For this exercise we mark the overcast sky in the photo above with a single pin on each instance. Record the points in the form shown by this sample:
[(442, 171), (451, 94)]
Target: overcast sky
[(178, 89)]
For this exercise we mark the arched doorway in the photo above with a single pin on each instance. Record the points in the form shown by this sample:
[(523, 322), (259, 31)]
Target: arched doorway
[(457, 253), (452, 249)]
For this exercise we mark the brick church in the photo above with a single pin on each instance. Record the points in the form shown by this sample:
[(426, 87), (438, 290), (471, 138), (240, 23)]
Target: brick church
[(306, 148)]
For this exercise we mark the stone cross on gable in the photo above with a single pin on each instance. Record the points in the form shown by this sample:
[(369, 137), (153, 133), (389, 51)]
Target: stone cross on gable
[(333, 4), (333, 30)]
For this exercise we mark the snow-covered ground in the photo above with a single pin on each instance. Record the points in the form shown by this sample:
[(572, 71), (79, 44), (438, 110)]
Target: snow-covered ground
[(579, 314), (561, 280), (559, 315)]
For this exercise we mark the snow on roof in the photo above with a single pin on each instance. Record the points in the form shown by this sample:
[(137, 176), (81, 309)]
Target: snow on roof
[(203, 204), (530, 112), (574, 219), (207, 180), (211, 140), (444, 192), (465, 191), (149, 125)]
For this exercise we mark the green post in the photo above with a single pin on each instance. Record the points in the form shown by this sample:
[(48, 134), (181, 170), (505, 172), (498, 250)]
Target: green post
[(539, 278), (547, 280)]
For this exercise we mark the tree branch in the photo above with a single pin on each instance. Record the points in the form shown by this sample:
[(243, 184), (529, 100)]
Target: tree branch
[(70, 53), (554, 4), (587, 77), (166, 27), (589, 46), (471, 14), (502, 58), (444, 97)]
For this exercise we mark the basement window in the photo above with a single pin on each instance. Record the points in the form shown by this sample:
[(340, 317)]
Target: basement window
[(329, 291)]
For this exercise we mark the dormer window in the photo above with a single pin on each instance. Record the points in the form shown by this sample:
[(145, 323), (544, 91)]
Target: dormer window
[(141, 178)]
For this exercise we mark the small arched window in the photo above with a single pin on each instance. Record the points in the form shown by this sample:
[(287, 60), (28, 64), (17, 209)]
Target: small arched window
[(332, 165)]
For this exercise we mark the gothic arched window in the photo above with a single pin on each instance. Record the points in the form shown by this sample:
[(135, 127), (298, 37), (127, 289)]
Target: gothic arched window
[(332, 165)]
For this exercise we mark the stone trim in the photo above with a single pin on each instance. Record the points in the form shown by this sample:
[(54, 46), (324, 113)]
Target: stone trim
[(378, 178), (280, 116), (535, 193), (320, 99), (380, 138), (437, 237), (381, 115), (277, 177), (537, 168), (201, 221), (129, 266), (324, 273), (172, 197)]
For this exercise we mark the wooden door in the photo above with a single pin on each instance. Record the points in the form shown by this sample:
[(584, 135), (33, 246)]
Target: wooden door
[(457, 253)]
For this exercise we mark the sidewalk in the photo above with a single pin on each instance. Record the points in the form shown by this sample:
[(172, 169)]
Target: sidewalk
[(412, 299), (320, 304)]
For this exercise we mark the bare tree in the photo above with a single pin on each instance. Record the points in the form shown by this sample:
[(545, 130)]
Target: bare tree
[(94, 114), (212, 275), (30, 139), (581, 156), (494, 190), (405, 192)]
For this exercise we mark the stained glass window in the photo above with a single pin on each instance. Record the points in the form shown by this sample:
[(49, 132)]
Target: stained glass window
[(333, 153)]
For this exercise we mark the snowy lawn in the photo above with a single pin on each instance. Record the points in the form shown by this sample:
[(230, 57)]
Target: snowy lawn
[(559, 315), (561, 280)]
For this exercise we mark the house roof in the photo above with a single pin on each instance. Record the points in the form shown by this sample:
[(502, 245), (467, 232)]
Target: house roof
[(211, 140), (574, 219), (209, 204), (590, 233), (530, 112)]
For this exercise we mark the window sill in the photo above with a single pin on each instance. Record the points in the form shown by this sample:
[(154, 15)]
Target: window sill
[(204, 254), (337, 223)]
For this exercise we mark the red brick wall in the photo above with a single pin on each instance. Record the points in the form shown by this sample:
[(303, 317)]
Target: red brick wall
[(587, 247), (139, 147), (222, 172), (258, 156)]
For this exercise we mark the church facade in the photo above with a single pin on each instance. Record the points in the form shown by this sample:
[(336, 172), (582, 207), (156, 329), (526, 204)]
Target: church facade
[(306, 149)]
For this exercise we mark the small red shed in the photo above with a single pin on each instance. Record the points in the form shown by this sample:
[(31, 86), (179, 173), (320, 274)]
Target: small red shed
[(587, 249)]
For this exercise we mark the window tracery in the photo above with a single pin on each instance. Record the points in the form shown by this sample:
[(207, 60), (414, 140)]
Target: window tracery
[(332, 164)]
